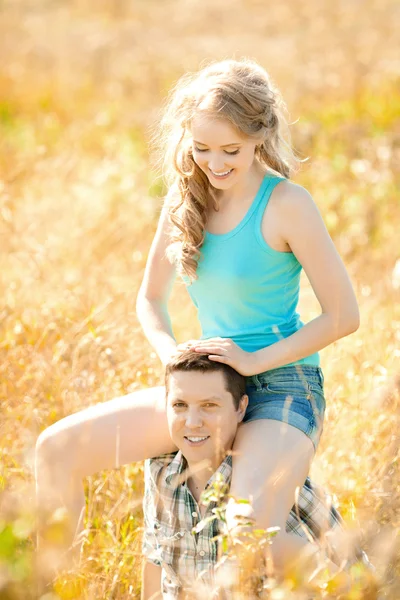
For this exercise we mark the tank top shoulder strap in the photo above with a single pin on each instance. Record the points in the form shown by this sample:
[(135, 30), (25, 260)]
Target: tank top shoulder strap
[(270, 182)]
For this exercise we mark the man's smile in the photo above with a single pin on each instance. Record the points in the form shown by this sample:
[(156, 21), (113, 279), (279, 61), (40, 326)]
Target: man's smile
[(196, 440)]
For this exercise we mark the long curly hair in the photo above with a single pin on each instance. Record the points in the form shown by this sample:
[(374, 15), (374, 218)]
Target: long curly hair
[(241, 92)]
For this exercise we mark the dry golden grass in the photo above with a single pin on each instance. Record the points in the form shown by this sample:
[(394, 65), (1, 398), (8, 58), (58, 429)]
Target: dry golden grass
[(80, 84)]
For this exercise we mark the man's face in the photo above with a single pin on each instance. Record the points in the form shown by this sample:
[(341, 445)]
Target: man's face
[(202, 418)]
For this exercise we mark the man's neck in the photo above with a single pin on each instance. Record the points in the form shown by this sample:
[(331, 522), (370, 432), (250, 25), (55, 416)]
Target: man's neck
[(196, 483), (198, 478)]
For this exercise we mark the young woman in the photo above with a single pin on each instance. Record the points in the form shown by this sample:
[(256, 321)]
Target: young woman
[(239, 232)]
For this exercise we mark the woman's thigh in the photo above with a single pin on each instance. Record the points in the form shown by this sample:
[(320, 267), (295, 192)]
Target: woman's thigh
[(292, 395), (276, 443), (271, 459), (113, 433)]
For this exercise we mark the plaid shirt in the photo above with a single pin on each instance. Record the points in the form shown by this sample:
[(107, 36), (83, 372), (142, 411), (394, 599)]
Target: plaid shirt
[(171, 512)]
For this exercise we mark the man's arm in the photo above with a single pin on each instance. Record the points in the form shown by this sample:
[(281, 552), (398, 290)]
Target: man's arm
[(151, 581)]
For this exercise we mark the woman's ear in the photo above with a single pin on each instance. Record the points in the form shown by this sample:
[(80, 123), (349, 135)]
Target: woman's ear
[(244, 400)]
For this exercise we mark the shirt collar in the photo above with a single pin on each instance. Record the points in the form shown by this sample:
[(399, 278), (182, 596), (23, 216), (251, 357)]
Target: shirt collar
[(224, 471), (178, 466)]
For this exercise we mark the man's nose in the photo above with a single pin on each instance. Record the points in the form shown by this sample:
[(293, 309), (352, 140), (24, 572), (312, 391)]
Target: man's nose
[(193, 419)]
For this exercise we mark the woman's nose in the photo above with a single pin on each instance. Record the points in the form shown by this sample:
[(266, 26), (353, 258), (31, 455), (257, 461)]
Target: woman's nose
[(216, 164)]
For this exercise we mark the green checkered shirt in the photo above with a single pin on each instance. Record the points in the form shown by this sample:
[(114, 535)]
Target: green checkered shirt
[(171, 512)]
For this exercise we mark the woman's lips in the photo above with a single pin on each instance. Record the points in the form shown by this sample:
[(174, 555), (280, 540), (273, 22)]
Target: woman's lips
[(216, 176)]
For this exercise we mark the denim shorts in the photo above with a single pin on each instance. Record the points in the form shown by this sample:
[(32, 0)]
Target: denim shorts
[(292, 394)]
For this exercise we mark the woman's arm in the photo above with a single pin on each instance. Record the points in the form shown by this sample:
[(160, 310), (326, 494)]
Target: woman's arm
[(151, 581), (302, 227), (151, 304), (304, 231)]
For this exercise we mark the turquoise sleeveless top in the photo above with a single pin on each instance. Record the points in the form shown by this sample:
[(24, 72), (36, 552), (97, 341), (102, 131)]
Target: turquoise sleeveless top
[(246, 290)]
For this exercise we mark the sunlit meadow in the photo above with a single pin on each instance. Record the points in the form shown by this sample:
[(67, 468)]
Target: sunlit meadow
[(81, 83)]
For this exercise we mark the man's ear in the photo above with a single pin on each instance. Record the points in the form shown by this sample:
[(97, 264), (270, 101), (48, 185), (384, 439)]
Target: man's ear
[(244, 400)]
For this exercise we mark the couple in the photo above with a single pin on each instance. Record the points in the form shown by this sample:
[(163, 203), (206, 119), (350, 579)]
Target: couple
[(239, 233), (205, 403)]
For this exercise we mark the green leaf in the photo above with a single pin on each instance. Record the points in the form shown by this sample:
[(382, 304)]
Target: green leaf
[(202, 524)]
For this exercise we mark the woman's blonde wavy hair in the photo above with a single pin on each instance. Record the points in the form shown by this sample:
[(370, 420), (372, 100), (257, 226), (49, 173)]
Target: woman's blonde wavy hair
[(240, 92)]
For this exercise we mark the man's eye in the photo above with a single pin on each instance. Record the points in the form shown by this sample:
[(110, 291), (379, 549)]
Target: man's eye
[(210, 405), (179, 405)]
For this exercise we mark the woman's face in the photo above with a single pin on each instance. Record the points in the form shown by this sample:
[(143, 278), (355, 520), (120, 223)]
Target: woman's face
[(220, 151)]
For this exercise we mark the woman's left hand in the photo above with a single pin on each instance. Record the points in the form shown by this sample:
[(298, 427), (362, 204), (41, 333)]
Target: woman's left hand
[(226, 351)]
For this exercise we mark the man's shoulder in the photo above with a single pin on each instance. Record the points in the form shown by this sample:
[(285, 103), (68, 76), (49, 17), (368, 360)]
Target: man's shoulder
[(161, 460), (154, 466), (317, 507), (315, 492)]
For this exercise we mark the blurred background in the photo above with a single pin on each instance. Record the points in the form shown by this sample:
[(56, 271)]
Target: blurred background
[(81, 84)]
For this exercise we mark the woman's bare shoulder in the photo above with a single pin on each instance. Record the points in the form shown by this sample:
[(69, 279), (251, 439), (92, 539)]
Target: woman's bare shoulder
[(290, 206), (288, 194)]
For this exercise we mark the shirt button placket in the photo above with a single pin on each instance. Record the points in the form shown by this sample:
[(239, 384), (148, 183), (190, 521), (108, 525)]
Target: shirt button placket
[(200, 562)]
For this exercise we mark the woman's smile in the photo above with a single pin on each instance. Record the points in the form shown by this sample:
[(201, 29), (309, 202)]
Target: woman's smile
[(222, 175)]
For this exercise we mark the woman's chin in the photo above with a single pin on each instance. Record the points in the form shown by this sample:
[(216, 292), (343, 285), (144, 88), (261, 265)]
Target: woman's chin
[(220, 184)]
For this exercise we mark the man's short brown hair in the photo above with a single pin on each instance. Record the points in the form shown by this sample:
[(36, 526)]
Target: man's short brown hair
[(189, 360)]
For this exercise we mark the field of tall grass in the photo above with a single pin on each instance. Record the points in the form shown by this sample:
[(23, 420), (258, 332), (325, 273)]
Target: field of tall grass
[(81, 83)]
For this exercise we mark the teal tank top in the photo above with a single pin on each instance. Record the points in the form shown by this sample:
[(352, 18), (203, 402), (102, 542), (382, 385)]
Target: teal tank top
[(246, 290)]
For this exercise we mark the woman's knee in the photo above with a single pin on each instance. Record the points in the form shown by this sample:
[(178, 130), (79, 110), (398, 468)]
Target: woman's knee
[(109, 434), (56, 447), (46, 444)]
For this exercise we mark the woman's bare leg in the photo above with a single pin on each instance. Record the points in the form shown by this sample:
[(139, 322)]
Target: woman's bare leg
[(270, 460), (104, 436)]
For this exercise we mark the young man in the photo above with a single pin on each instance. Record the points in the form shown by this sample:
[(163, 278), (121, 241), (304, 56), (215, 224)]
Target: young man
[(206, 402)]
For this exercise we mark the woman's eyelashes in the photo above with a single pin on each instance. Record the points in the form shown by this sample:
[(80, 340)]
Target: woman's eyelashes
[(206, 150)]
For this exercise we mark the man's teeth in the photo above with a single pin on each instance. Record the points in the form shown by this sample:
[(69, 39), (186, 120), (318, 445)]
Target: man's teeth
[(196, 439)]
